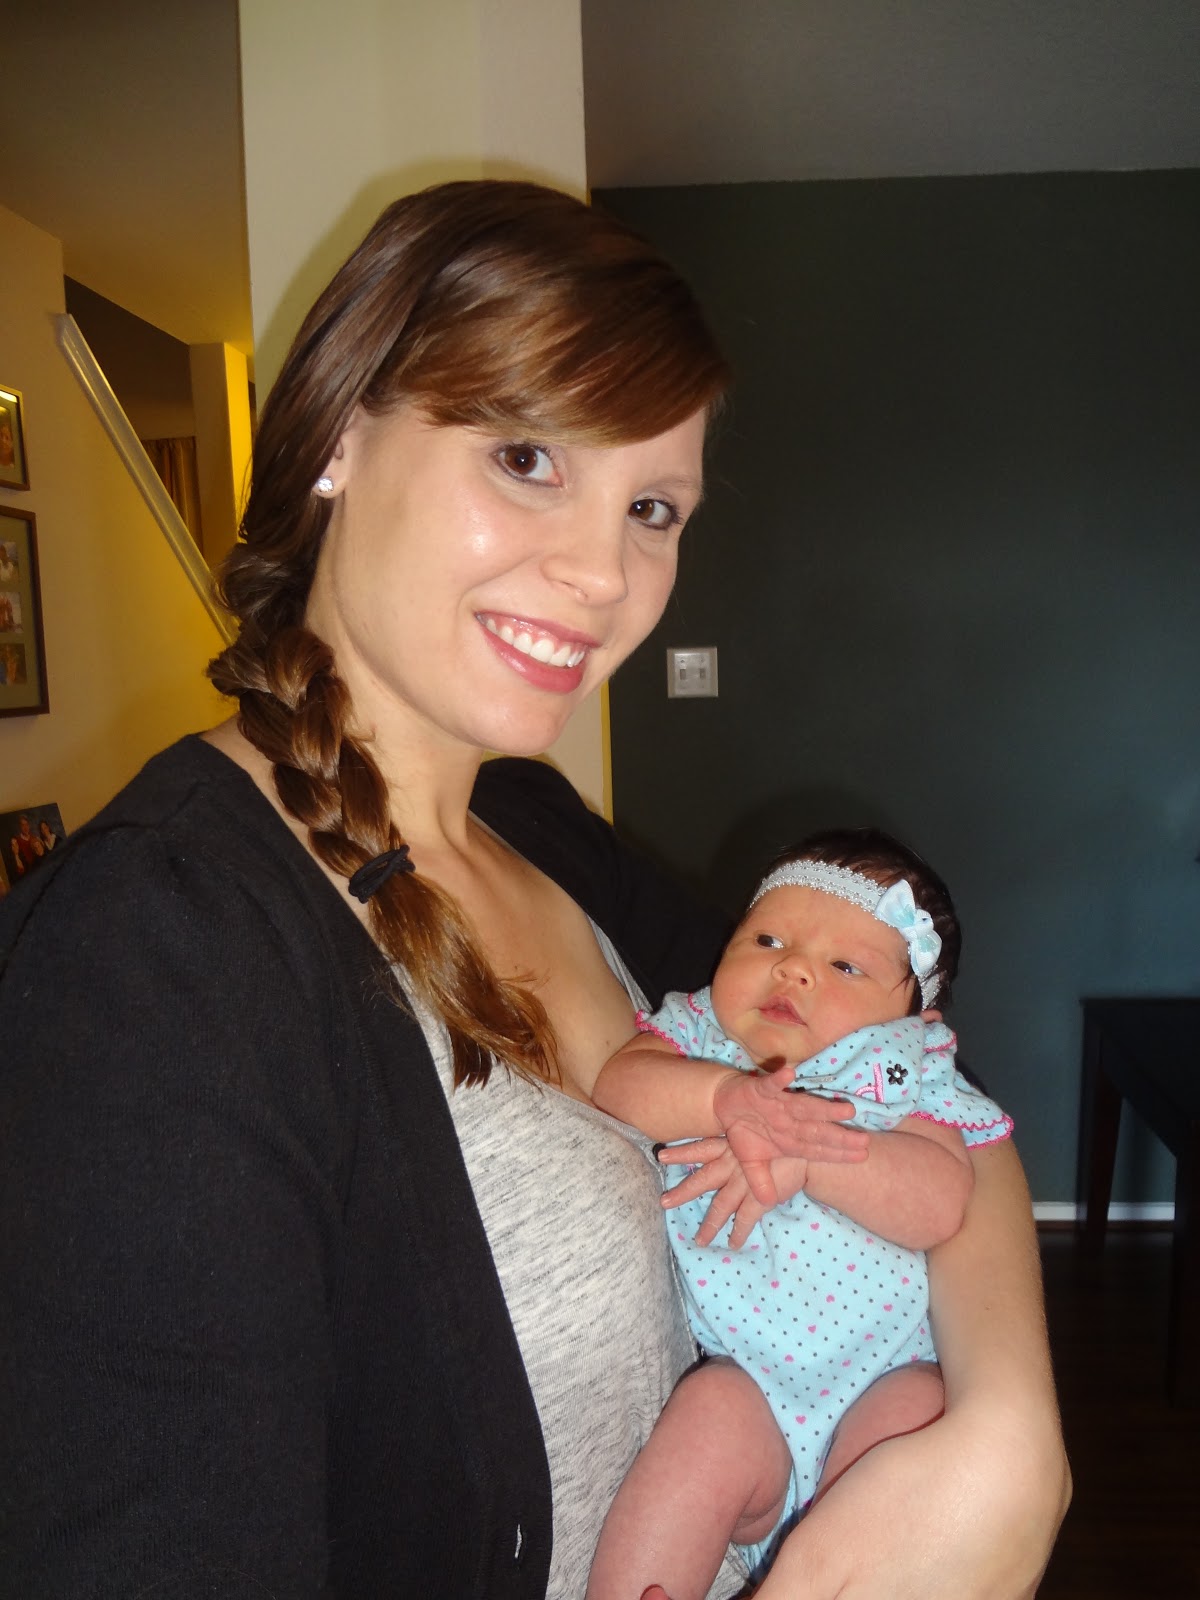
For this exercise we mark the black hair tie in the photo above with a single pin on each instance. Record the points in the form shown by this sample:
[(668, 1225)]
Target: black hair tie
[(373, 874)]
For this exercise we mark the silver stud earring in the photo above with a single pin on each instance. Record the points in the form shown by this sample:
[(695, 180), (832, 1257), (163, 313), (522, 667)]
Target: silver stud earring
[(324, 484)]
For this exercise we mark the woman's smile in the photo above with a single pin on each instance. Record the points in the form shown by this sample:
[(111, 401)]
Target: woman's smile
[(477, 589), (545, 655)]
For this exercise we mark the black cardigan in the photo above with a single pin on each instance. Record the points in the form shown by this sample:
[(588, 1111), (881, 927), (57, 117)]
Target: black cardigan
[(235, 1362)]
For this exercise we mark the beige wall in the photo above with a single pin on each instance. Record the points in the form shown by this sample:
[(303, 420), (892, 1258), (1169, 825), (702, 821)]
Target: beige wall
[(340, 120), (147, 368), (126, 637)]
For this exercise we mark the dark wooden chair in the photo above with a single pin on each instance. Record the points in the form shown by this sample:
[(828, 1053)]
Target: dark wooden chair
[(1147, 1051)]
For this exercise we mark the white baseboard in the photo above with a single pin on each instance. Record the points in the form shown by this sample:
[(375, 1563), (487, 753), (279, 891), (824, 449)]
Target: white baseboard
[(1139, 1211)]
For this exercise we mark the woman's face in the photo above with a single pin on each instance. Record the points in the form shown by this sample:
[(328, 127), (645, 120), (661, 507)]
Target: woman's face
[(475, 589)]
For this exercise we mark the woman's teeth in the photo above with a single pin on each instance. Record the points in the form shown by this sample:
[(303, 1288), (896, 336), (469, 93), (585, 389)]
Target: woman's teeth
[(543, 648)]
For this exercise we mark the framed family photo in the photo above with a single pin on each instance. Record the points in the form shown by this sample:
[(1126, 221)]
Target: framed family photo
[(22, 654), (14, 468), (27, 838)]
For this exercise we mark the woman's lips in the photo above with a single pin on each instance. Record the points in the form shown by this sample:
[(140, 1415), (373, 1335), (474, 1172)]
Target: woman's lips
[(545, 656)]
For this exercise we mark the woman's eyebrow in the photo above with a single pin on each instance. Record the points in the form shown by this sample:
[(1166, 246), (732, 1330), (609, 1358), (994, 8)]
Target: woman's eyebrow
[(683, 483)]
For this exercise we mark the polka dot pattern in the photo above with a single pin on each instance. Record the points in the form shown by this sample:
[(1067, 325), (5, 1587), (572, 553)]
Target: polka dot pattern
[(815, 1307)]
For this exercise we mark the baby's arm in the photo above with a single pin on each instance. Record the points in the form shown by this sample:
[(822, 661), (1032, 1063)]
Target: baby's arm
[(648, 1084), (913, 1187), (643, 1085), (909, 1190)]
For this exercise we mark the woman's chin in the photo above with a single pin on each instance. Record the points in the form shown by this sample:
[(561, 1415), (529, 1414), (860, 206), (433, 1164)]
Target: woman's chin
[(529, 735)]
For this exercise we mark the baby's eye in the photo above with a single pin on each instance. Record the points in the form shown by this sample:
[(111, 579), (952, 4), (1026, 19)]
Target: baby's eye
[(528, 461), (657, 514), (768, 941), (848, 967)]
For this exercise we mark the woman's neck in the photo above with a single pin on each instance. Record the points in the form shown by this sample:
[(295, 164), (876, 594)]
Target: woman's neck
[(429, 791)]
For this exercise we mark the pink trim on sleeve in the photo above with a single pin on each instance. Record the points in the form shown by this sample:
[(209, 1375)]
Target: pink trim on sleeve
[(1003, 1126), (643, 1025)]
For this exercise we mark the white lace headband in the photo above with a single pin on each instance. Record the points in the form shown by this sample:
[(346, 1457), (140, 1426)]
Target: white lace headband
[(894, 906)]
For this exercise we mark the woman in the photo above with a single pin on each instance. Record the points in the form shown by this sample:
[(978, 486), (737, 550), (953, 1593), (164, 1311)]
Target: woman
[(304, 1295)]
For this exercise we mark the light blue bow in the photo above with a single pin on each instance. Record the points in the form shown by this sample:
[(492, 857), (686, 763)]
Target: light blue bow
[(898, 910)]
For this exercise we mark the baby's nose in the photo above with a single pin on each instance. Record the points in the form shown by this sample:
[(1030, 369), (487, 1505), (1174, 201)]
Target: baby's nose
[(794, 968)]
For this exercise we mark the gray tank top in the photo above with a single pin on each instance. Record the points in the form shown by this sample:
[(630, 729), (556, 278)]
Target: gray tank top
[(569, 1200)]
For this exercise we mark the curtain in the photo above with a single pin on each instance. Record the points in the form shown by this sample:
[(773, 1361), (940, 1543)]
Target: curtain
[(175, 462)]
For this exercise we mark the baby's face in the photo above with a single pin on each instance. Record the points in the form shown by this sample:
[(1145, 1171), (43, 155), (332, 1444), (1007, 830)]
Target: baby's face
[(805, 968)]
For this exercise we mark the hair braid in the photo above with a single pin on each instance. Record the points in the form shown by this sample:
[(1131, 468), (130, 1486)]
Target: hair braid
[(295, 710), (482, 304)]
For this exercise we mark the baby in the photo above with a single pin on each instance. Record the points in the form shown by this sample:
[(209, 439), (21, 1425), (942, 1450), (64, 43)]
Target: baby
[(820, 1328)]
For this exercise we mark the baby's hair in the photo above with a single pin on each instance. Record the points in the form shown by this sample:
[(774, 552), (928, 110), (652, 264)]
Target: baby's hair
[(877, 855)]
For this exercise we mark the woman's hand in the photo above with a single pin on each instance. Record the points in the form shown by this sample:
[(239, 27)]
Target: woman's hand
[(717, 1168), (764, 1117)]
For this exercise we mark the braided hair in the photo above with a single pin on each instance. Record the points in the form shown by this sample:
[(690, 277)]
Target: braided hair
[(497, 305)]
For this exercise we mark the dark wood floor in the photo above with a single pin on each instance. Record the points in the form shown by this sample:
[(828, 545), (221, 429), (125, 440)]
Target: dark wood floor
[(1133, 1531)]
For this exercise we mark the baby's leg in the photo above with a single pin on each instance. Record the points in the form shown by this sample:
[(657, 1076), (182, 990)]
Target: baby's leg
[(902, 1401), (715, 1469)]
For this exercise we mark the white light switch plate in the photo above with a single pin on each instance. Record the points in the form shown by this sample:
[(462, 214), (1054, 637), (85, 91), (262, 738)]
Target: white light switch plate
[(692, 672)]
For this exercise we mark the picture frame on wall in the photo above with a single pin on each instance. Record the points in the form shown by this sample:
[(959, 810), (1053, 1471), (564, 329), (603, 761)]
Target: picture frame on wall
[(14, 464), (23, 691), (28, 837)]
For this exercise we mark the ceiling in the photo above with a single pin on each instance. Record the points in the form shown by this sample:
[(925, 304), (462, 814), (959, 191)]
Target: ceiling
[(122, 133), (739, 91), (122, 137)]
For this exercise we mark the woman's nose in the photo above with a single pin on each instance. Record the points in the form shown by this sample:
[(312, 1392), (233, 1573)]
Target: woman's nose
[(589, 558)]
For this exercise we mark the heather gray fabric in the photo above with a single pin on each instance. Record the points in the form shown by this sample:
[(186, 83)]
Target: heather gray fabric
[(569, 1200)]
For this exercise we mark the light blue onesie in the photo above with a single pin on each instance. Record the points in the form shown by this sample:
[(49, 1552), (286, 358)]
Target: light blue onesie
[(814, 1307)]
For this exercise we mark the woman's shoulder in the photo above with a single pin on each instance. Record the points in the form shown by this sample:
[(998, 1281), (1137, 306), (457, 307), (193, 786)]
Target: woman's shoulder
[(667, 938), (186, 852), (539, 813), (516, 785)]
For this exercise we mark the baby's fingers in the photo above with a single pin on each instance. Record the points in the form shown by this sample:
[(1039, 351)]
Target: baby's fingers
[(829, 1141), (723, 1206), (694, 1153), (712, 1176), (748, 1214), (762, 1185)]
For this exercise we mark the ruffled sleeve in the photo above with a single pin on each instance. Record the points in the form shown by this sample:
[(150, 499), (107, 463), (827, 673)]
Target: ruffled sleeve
[(947, 1097), (686, 1022), (893, 1070)]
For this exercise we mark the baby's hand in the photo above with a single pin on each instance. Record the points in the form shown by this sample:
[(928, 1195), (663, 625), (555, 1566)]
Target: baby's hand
[(763, 1118), (715, 1167)]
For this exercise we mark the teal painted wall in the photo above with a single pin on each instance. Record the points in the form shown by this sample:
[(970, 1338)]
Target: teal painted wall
[(951, 560)]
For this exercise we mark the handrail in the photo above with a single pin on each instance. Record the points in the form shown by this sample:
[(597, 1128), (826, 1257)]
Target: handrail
[(141, 469)]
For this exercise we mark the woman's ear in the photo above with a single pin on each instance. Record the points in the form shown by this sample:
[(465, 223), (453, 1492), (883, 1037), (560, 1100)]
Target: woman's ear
[(333, 478)]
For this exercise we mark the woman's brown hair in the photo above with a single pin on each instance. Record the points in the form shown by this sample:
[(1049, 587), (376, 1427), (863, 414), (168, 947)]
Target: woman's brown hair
[(504, 306), (877, 855)]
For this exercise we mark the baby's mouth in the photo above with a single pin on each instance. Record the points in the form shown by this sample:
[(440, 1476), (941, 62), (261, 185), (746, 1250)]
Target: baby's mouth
[(781, 1010), (534, 641)]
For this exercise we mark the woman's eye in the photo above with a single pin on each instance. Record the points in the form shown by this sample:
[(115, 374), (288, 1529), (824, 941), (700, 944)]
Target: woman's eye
[(528, 461), (657, 514), (768, 941)]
